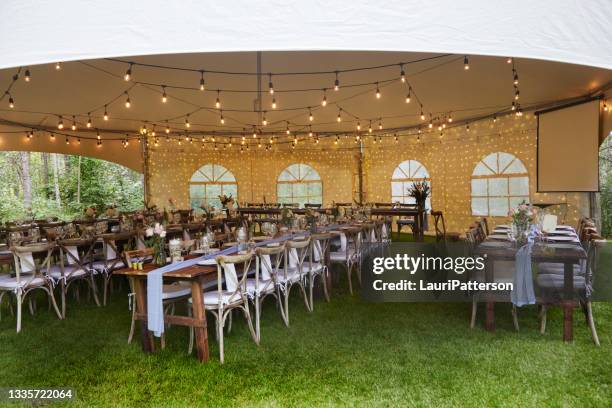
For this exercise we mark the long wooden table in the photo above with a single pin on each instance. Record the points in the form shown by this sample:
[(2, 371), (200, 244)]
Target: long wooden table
[(566, 256), (198, 276), (417, 214)]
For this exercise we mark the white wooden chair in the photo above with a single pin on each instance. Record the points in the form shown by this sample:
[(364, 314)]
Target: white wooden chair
[(222, 301), (29, 277)]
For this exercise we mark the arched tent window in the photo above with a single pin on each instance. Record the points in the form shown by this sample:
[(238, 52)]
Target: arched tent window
[(404, 175), (208, 183), (499, 182), (299, 183)]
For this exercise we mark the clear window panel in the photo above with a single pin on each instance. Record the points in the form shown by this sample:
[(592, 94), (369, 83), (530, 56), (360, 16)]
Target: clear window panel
[(284, 190), (196, 191), (480, 206), (315, 189), (213, 190), (479, 187), (491, 162), (515, 201), (498, 187), (397, 188), (519, 186), (498, 207), (516, 167), (300, 190), (195, 205)]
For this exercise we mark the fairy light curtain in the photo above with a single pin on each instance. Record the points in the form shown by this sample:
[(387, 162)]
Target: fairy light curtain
[(404, 175), (208, 183), (499, 182), (299, 184)]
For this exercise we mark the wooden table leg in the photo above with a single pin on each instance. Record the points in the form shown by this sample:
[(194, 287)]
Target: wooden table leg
[(201, 332), (146, 338), (568, 304), (490, 305)]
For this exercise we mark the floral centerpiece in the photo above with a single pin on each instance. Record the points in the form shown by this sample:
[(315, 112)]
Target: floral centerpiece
[(157, 240), (419, 191), (111, 211), (226, 201), (287, 217), (523, 216), (312, 217), (207, 210)]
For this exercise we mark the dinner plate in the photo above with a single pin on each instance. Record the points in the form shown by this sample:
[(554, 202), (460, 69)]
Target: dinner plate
[(498, 236), (204, 252), (562, 238), (565, 227), (208, 262), (563, 246), (261, 238), (273, 244)]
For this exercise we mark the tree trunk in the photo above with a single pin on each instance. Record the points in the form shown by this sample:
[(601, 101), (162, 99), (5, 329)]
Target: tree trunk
[(78, 198), (45, 171), (56, 190), (26, 179)]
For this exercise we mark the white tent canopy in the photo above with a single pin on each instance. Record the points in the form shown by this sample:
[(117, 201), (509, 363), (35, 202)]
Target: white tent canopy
[(37, 32)]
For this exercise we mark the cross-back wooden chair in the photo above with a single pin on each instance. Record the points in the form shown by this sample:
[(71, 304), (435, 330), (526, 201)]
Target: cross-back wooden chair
[(113, 245), (73, 267), (29, 276), (269, 262), (440, 227), (233, 295), (171, 293), (406, 221), (317, 264), (349, 254), (294, 272)]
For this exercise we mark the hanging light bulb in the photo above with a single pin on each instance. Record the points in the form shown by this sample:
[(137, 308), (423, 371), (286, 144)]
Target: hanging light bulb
[(337, 140), (273, 103), (187, 124), (605, 107), (52, 137), (164, 96), (105, 113), (60, 124), (380, 126), (74, 126), (339, 118), (358, 126), (370, 127), (310, 117), (450, 118), (221, 119), (377, 92), (88, 120), (167, 128), (467, 127), (324, 101), (99, 143), (430, 125), (310, 131), (336, 82), (509, 60), (128, 103), (97, 134), (270, 86), (202, 82), (494, 118), (67, 141), (11, 101), (408, 95), (288, 131), (218, 101), (402, 74), (128, 73), (30, 134), (27, 77), (516, 94), (422, 114), (513, 105), (515, 77), (396, 139), (466, 64), (264, 121), (58, 66)]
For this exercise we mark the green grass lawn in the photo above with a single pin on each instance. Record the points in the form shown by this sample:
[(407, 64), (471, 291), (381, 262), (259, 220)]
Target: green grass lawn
[(345, 353)]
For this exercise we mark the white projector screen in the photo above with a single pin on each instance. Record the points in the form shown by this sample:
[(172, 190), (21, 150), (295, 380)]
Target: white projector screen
[(568, 148)]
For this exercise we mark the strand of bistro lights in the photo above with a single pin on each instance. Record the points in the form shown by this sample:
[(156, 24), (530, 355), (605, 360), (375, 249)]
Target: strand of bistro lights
[(440, 119), (128, 101)]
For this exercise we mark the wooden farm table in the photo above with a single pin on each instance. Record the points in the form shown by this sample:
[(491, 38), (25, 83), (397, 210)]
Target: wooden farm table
[(198, 276), (417, 214), (540, 253)]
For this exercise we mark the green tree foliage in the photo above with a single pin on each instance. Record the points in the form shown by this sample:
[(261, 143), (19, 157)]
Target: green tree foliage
[(101, 184)]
